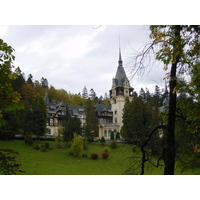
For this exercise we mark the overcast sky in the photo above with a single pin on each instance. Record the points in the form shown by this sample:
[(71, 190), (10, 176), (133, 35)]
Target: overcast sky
[(71, 57)]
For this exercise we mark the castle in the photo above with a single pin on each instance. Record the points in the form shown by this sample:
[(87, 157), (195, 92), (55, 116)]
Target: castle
[(109, 116)]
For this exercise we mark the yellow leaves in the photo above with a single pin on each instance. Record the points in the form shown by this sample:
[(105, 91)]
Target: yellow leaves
[(165, 68), (174, 90)]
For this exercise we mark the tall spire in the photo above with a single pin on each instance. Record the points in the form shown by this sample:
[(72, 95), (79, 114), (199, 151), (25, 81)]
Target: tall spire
[(120, 57)]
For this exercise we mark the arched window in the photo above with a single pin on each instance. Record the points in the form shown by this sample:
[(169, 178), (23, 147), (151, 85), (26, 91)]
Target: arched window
[(109, 132), (105, 133)]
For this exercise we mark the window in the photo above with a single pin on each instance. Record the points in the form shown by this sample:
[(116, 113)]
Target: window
[(115, 120), (105, 133), (115, 112)]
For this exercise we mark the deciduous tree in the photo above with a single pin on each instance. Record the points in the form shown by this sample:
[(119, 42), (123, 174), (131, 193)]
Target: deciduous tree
[(9, 99)]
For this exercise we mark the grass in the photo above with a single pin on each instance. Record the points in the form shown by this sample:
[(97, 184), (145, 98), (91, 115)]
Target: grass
[(59, 162)]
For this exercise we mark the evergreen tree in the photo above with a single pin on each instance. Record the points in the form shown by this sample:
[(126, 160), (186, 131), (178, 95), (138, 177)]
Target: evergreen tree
[(85, 93), (72, 125), (92, 94), (19, 81), (157, 96), (91, 124), (142, 95), (44, 82), (30, 79), (134, 121), (39, 117)]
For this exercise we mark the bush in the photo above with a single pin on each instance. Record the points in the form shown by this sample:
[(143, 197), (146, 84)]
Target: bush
[(94, 156), (113, 145), (134, 148), (84, 155), (43, 149), (37, 147), (46, 145), (28, 139), (76, 146), (105, 155), (59, 141), (102, 140), (106, 149)]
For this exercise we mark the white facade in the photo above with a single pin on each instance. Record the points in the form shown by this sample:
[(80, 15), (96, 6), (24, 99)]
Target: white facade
[(119, 93)]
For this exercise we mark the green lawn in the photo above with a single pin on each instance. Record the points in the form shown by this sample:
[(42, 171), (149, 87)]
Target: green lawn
[(59, 162)]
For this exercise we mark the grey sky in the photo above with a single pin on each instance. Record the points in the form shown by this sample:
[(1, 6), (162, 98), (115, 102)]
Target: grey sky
[(71, 57)]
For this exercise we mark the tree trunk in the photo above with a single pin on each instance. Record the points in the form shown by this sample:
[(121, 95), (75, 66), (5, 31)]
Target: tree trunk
[(169, 152)]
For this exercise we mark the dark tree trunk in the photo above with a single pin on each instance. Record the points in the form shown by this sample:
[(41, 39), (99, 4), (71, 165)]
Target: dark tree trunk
[(169, 152)]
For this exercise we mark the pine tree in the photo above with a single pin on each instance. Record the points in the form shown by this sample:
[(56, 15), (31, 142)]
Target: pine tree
[(85, 93), (91, 124), (39, 116)]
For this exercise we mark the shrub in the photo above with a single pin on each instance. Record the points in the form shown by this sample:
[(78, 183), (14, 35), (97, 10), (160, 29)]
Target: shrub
[(102, 140), (84, 155), (37, 147), (113, 145), (43, 149), (134, 148), (105, 155), (106, 149), (28, 139), (46, 145), (94, 156), (77, 145), (59, 141)]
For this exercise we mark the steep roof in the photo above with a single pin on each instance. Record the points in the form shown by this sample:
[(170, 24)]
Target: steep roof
[(101, 107), (75, 110), (120, 74)]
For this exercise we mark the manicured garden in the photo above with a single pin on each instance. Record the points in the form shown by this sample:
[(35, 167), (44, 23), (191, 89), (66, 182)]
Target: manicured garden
[(47, 159)]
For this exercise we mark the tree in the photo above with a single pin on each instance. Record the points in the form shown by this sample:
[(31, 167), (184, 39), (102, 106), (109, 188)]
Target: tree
[(85, 93), (73, 125), (180, 49), (142, 95), (44, 82), (30, 79), (76, 146), (39, 117), (9, 99), (91, 124), (92, 94), (157, 95), (177, 46), (8, 163), (134, 121), (19, 81)]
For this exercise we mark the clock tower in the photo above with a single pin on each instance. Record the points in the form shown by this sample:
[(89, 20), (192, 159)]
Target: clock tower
[(120, 92)]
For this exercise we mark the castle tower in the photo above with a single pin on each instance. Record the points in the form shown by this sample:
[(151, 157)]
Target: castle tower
[(120, 92)]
